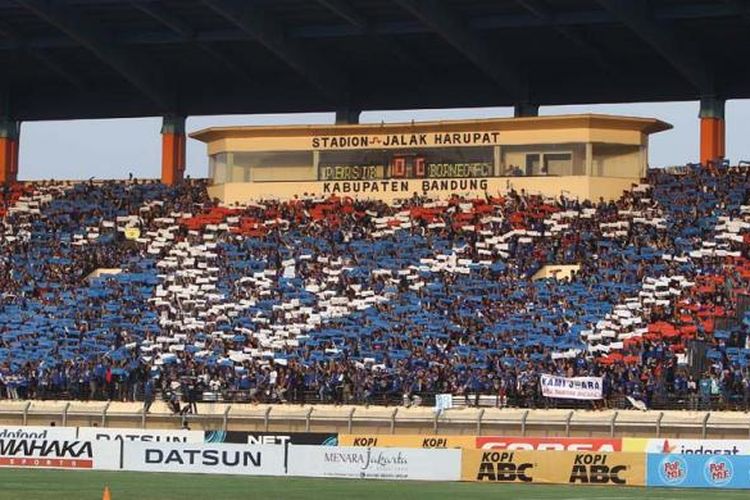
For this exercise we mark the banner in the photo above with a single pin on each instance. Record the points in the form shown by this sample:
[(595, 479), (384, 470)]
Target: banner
[(374, 463), (406, 441), (203, 458), (240, 437), (58, 454), (688, 446), (146, 435), (557, 467), (34, 432), (548, 443), (571, 388), (698, 471)]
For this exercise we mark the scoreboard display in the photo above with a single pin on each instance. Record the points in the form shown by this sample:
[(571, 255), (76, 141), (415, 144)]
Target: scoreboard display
[(407, 167)]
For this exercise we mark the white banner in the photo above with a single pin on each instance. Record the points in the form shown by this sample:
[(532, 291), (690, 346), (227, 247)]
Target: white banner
[(145, 435), (692, 446), (571, 388), (34, 432), (375, 463), (203, 458), (59, 454)]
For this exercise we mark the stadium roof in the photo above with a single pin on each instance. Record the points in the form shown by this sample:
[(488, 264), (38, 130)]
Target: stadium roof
[(64, 59)]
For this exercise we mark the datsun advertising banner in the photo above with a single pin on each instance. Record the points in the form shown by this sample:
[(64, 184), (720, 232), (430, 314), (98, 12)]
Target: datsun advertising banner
[(204, 458)]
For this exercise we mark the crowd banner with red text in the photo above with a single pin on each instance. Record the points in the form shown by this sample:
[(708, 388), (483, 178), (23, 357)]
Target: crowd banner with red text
[(146, 435), (204, 458), (59, 454), (375, 463), (406, 441), (554, 467), (588, 388), (513, 443)]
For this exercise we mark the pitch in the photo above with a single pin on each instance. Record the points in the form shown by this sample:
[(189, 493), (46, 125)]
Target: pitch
[(75, 485)]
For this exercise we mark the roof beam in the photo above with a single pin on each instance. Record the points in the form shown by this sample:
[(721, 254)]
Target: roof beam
[(440, 19), (546, 15), (634, 14), (183, 29), (345, 11), (261, 27), (66, 21), (41, 56)]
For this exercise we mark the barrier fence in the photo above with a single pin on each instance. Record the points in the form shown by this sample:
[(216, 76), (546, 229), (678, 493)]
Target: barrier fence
[(688, 463)]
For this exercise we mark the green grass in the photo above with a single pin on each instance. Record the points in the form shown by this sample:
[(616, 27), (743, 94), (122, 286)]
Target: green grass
[(22, 484)]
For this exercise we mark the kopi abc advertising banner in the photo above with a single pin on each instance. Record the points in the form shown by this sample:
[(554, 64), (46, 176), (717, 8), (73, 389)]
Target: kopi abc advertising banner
[(406, 441), (556, 467), (203, 458), (688, 446), (374, 463), (571, 388), (58, 454), (698, 471)]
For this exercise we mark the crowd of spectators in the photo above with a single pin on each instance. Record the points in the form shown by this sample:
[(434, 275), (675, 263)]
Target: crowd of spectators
[(345, 301)]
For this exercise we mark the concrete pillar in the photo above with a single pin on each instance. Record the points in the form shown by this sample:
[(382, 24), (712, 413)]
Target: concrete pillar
[(347, 116), (525, 110), (172, 149), (589, 159), (713, 130), (9, 148)]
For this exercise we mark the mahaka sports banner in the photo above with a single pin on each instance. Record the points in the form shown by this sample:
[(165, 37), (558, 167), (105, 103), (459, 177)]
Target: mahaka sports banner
[(204, 458), (406, 441), (688, 446), (587, 388), (374, 463), (548, 443), (698, 471), (59, 454), (556, 467), (146, 435)]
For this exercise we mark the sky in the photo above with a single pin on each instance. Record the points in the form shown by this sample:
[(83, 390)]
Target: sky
[(111, 149)]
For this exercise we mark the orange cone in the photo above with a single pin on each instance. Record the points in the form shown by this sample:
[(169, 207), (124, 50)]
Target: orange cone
[(106, 495)]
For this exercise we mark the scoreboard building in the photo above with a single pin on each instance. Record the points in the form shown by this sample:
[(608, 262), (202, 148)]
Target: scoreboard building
[(584, 156)]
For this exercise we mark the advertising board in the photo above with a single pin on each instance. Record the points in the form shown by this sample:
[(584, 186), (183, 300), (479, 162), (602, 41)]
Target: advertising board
[(556, 467), (374, 463), (406, 441), (688, 446), (146, 435), (240, 437), (203, 458), (698, 471), (58, 454), (38, 432), (548, 443)]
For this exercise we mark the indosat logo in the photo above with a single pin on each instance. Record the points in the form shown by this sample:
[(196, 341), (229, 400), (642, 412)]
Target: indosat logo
[(718, 471), (673, 470)]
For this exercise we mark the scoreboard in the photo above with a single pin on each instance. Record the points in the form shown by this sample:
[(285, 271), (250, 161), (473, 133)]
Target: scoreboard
[(406, 167)]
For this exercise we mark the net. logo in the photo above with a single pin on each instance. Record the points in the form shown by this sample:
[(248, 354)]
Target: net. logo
[(718, 471), (673, 470)]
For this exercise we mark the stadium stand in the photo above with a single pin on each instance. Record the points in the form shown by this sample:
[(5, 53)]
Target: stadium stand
[(345, 301)]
